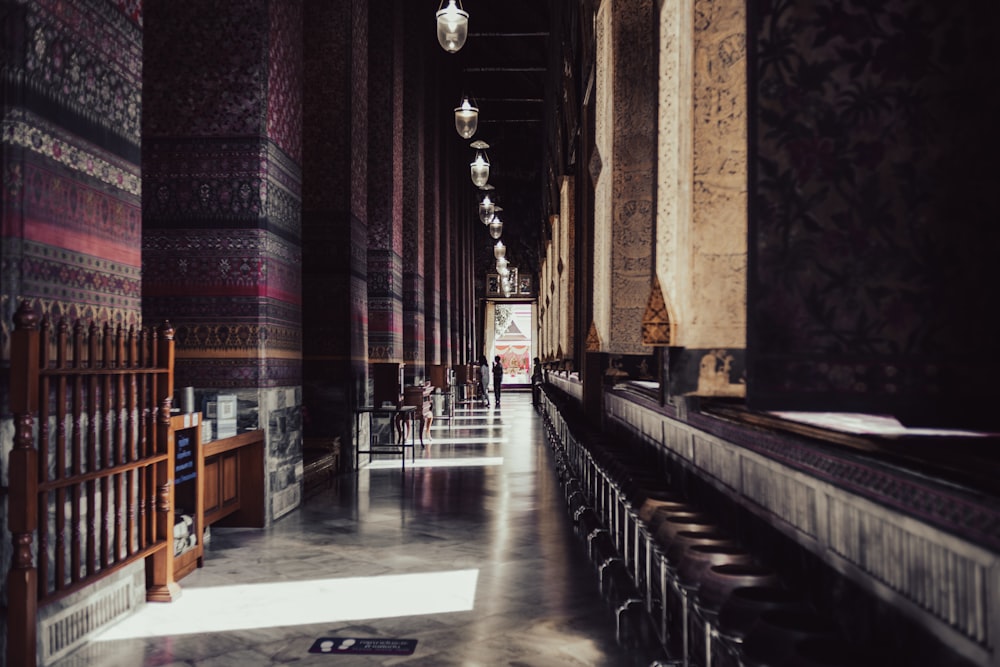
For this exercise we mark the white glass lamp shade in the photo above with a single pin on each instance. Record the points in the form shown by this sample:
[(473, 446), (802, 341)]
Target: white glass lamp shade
[(480, 169), (499, 250), (496, 227), (486, 210), (466, 119), (452, 26)]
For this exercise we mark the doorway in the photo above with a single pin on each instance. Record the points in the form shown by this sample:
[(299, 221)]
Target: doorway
[(510, 329)]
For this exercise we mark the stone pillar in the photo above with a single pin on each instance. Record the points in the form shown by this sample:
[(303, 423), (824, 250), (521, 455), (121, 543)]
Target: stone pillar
[(567, 267), (445, 254), (432, 231), (701, 228), (544, 304), (385, 186), (334, 219), (624, 161), (222, 210), (414, 208), (553, 249)]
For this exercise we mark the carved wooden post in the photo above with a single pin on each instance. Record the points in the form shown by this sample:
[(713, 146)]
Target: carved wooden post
[(161, 586), (22, 505)]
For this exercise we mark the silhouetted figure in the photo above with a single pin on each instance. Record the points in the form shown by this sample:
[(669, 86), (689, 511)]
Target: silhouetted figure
[(536, 382), (484, 379), (497, 378)]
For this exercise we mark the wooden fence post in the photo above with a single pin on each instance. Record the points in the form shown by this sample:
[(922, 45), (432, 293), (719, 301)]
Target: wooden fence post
[(160, 584), (22, 502)]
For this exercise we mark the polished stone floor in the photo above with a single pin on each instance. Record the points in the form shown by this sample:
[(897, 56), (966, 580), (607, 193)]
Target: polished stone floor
[(469, 551)]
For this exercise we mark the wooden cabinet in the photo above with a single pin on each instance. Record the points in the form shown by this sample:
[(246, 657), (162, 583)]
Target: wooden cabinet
[(219, 482), (439, 377), (234, 480), (388, 383)]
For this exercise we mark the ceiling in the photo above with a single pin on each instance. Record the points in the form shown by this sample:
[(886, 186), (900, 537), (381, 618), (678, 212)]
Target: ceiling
[(504, 68)]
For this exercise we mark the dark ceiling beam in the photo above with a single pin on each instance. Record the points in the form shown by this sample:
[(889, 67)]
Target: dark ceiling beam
[(516, 35), (532, 100), (535, 70), (509, 120)]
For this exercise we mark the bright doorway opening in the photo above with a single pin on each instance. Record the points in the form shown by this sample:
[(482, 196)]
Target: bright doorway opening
[(510, 329)]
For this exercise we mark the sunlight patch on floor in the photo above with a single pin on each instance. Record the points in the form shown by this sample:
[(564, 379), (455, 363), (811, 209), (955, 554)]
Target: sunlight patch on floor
[(247, 606), (468, 462), (438, 440)]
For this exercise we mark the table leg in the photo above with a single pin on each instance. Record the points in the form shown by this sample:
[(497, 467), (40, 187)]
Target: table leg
[(357, 438)]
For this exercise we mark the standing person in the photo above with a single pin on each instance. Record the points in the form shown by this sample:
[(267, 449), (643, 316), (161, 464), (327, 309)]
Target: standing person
[(497, 378), (484, 379), (537, 378)]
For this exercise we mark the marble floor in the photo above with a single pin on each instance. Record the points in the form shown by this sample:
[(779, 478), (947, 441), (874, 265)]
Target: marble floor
[(469, 551)]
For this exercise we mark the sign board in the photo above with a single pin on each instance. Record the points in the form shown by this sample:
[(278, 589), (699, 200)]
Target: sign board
[(363, 646)]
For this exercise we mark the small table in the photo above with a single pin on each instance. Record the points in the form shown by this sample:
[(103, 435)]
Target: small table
[(374, 446)]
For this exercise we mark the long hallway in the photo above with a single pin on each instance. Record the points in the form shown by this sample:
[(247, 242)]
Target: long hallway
[(469, 550)]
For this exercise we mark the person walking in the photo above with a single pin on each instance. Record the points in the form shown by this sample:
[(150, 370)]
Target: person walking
[(484, 379), (497, 378)]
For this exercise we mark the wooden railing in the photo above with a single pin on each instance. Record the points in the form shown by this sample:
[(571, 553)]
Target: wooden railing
[(90, 474)]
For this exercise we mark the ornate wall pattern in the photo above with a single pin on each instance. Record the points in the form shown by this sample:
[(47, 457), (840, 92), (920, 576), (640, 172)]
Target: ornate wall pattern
[(222, 70), (222, 201), (626, 131), (334, 262), (674, 169), (334, 241), (284, 80), (80, 65), (872, 230), (717, 233), (385, 306), (69, 226), (412, 204), (601, 169), (701, 205), (230, 182), (385, 190), (632, 179), (432, 242), (566, 266), (326, 113)]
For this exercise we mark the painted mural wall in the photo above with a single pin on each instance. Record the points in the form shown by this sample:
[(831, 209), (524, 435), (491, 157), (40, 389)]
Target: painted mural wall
[(873, 224)]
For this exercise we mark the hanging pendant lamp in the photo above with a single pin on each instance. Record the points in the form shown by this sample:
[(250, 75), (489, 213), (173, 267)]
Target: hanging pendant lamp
[(452, 26), (487, 209), (500, 250), (480, 166), (496, 227), (466, 118)]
